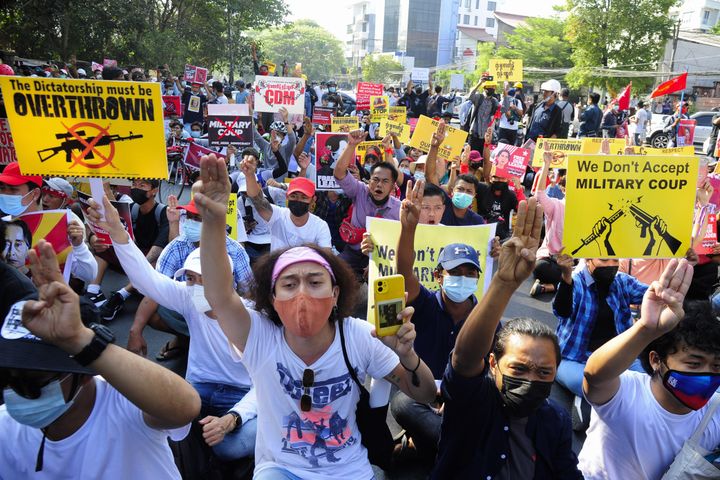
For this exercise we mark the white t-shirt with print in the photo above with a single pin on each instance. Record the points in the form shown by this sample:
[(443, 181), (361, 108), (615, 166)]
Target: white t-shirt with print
[(284, 233), (114, 443), (632, 436), (324, 443)]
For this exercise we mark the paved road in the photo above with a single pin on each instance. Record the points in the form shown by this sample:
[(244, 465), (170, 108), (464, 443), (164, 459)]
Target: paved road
[(522, 305)]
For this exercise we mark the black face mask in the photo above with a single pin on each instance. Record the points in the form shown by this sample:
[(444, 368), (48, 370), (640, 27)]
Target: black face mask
[(298, 208), (499, 187), (475, 165), (522, 397), (604, 276), (489, 92), (139, 195), (418, 90)]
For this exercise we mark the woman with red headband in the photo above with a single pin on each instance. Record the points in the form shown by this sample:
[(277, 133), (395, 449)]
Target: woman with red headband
[(291, 342)]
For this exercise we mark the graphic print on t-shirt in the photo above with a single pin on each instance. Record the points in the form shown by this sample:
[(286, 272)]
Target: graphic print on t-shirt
[(320, 433)]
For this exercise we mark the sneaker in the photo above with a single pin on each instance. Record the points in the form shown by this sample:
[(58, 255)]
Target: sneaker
[(111, 308), (536, 289), (97, 298)]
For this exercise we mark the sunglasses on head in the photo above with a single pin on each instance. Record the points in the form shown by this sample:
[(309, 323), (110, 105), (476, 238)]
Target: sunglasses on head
[(308, 382)]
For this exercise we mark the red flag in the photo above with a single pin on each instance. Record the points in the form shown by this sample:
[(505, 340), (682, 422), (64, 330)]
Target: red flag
[(193, 154), (673, 85), (623, 99)]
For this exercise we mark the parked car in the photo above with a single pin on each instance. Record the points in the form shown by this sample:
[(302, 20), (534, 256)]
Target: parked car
[(659, 139), (349, 103)]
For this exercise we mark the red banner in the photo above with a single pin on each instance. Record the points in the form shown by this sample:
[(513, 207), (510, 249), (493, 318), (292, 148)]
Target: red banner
[(510, 161), (686, 133), (710, 238), (671, 86), (624, 98), (366, 90), (50, 225), (195, 74), (171, 105), (7, 146), (323, 115), (193, 154)]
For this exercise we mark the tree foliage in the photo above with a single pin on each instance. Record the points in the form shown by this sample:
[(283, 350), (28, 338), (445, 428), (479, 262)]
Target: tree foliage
[(628, 34), (540, 43), (381, 69), (135, 32), (303, 41)]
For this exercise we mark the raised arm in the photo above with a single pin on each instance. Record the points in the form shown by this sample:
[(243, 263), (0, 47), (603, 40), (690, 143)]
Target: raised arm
[(517, 261), (254, 191), (212, 200), (348, 155), (166, 400), (431, 163), (487, 166), (409, 217), (661, 311), (307, 133)]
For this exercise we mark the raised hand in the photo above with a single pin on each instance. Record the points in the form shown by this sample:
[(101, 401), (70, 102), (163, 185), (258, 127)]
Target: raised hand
[(566, 264), (465, 155), (173, 212), (387, 142), (284, 114), (662, 306), (547, 155), (439, 135), (274, 141), (629, 149), (705, 192), (517, 258), (44, 265), (605, 146), (112, 223), (355, 137), (214, 191), (76, 233), (411, 206), (367, 245), (488, 136), (308, 129), (55, 317), (303, 161)]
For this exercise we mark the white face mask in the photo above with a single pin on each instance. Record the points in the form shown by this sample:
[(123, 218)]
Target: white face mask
[(197, 295)]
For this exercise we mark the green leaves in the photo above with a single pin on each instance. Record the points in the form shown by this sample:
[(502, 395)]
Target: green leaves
[(381, 69)]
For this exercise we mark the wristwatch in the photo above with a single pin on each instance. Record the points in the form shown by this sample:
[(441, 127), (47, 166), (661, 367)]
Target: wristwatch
[(103, 337), (236, 418)]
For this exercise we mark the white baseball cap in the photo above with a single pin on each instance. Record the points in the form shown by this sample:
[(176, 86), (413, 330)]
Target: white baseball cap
[(192, 264)]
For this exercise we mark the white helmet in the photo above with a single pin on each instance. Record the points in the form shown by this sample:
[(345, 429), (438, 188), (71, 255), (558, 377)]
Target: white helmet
[(551, 85)]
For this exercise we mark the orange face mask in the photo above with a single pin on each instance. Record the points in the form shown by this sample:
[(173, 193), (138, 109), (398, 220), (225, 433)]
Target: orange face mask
[(303, 315)]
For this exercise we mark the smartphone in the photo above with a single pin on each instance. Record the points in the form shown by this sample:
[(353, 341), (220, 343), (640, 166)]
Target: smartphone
[(389, 299)]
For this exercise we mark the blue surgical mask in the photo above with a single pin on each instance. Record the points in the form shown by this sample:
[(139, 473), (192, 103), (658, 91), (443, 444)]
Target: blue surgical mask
[(39, 412), (332, 89), (419, 175), (12, 204), (195, 134), (191, 230), (368, 168), (462, 200), (406, 171), (459, 288)]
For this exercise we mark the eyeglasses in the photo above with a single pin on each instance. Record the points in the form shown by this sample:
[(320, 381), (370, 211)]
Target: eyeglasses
[(308, 382), (25, 387)]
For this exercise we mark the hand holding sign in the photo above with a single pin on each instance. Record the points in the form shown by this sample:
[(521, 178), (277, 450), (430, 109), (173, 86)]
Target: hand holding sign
[(517, 258), (303, 161), (111, 222)]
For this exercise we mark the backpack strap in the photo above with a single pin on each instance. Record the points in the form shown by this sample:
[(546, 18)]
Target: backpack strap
[(345, 356), (709, 413)]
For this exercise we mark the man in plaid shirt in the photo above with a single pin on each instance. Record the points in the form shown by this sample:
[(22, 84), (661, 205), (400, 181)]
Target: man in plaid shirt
[(592, 306)]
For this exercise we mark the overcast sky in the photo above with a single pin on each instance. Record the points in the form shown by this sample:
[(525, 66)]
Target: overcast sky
[(335, 16)]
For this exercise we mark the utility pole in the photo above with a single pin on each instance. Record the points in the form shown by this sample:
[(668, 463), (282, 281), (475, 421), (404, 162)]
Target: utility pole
[(676, 34), (230, 44)]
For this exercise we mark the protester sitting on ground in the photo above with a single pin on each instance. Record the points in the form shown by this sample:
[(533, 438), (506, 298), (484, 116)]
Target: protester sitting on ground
[(373, 199), (498, 421), (438, 318), (151, 232), (170, 261), (547, 272), (21, 194), (58, 413), (291, 344), (644, 422), (294, 225), (219, 380), (592, 306)]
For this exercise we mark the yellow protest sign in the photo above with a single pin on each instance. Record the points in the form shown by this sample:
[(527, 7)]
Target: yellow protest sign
[(619, 149), (344, 124), (429, 242), (450, 148), (86, 128), (506, 69), (617, 206), (592, 145), (271, 67), (560, 149), (231, 219), (362, 147), (378, 107), (402, 130), (397, 114)]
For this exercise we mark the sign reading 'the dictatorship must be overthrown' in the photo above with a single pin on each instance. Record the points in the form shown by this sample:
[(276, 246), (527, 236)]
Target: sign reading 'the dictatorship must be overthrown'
[(86, 128), (629, 206)]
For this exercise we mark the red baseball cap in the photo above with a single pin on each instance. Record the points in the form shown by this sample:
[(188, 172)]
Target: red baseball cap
[(302, 185), (12, 176), (190, 207)]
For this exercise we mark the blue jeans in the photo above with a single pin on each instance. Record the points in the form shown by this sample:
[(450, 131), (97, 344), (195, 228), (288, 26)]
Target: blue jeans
[(276, 473), (715, 301), (174, 320), (570, 374), (216, 399), (419, 421)]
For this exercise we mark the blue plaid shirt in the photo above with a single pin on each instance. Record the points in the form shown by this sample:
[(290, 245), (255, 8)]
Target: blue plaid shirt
[(173, 257), (574, 331)]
